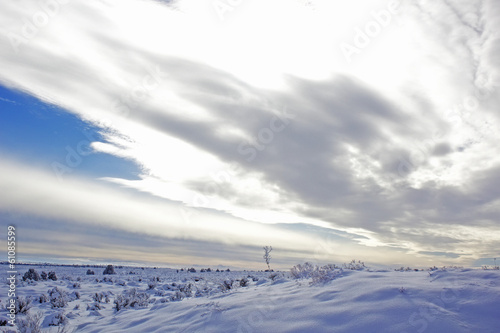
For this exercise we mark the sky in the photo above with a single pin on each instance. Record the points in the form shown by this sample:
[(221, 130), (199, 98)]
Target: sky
[(190, 132)]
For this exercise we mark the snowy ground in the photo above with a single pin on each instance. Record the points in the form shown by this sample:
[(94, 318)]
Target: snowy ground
[(328, 300)]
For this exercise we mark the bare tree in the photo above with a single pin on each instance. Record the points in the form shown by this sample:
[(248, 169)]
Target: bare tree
[(267, 255)]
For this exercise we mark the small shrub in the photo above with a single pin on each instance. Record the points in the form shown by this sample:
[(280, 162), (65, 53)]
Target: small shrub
[(273, 276), (43, 276), (58, 298), (226, 285), (95, 307), (302, 271), (31, 274), (106, 279), (318, 274), (131, 298), (23, 304), (30, 324), (43, 298), (52, 276), (110, 270), (97, 297), (90, 272), (177, 296), (58, 319), (356, 266), (244, 282)]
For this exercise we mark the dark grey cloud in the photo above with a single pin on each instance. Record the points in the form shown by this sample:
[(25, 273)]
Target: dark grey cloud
[(310, 158)]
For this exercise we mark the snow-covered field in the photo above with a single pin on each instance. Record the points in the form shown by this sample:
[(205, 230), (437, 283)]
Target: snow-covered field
[(332, 299)]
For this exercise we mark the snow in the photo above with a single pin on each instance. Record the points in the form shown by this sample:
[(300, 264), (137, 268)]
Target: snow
[(357, 300)]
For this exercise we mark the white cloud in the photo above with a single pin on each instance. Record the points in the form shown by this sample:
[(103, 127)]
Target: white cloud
[(36, 193), (391, 138)]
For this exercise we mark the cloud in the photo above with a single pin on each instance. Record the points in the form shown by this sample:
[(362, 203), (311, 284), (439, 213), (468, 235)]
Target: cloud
[(385, 148)]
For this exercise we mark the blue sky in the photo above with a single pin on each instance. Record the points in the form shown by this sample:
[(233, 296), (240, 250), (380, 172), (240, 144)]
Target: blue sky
[(349, 135), (38, 133)]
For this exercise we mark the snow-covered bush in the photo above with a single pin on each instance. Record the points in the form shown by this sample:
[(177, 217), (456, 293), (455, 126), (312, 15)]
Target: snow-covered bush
[(31, 274), (106, 279), (244, 282), (274, 276), (325, 274), (52, 276), (160, 292), (43, 276), (90, 272), (109, 270), (177, 296), (75, 295), (99, 297), (30, 324), (302, 271), (355, 266), (131, 298), (95, 306), (318, 274), (403, 269), (58, 298), (58, 319), (23, 304), (43, 298), (226, 285)]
